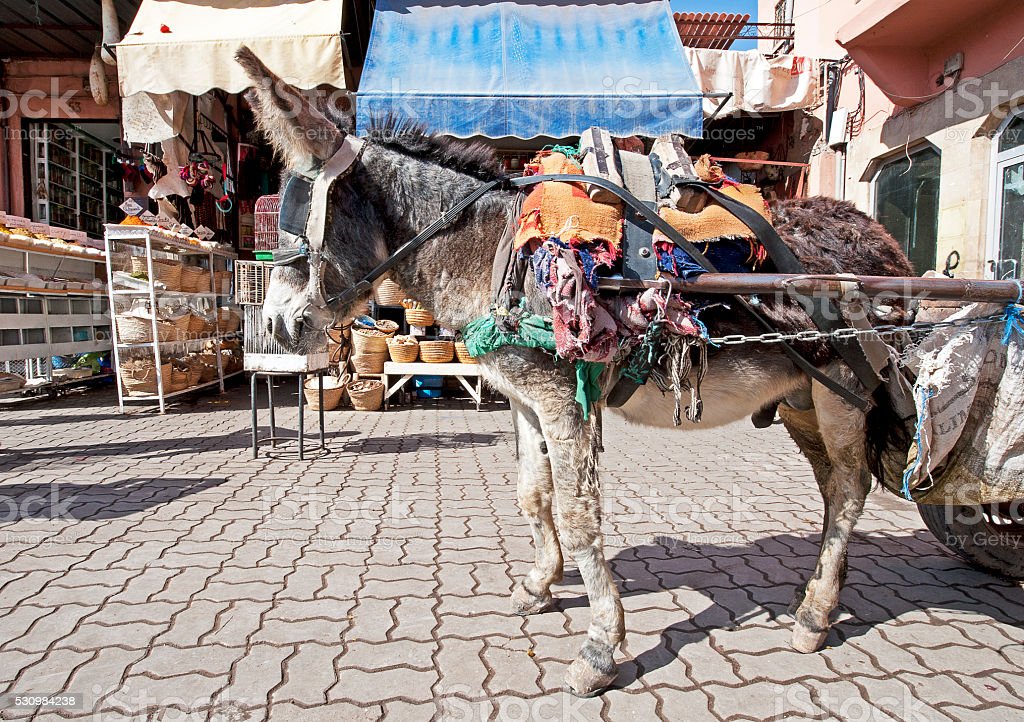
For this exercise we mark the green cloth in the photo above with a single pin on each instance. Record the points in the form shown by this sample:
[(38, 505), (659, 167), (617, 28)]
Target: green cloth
[(588, 386), (483, 336)]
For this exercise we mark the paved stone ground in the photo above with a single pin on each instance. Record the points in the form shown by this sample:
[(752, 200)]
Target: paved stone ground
[(149, 564)]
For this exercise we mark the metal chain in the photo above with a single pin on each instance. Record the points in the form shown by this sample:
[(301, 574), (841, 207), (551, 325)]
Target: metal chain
[(884, 331)]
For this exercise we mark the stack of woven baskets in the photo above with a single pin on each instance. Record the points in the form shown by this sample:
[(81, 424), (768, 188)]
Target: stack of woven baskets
[(370, 347)]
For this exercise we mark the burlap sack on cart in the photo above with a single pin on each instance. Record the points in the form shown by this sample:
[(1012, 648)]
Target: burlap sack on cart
[(970, 403)]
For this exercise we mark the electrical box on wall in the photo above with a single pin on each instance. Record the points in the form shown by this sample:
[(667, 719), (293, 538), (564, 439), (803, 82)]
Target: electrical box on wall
[(953, 65), (838, 131)]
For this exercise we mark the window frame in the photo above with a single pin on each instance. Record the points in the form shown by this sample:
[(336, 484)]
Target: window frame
[(883, 161), (1000, 161)]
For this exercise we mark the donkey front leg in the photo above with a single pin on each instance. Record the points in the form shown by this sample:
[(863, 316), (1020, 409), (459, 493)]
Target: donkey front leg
[(842, 431), (535, 490), (572, 449)]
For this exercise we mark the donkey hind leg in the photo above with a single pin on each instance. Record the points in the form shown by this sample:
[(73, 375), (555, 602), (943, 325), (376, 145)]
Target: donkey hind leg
[(535, 490), (842, 432), (802, 425), (572, 448)]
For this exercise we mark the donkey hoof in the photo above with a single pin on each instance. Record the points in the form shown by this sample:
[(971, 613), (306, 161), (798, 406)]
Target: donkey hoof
[(807, 640), (592, 672), (582, 680), (525, 602)]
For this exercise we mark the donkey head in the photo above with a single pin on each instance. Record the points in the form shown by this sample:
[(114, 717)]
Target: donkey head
[(305, 135)]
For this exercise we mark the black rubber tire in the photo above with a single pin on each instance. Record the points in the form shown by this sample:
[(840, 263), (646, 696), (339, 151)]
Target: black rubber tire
[(966, 532)]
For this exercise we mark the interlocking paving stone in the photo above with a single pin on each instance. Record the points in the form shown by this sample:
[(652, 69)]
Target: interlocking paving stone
[(187, 581)]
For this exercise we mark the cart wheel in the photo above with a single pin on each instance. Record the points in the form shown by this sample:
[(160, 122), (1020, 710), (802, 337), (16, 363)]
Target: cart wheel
[(990, 537)]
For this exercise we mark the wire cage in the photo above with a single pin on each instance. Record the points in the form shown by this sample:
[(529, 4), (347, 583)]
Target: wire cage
[(266, 214), (263, 352), (251, 281)]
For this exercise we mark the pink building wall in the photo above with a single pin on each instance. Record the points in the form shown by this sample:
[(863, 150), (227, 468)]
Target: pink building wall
[(900, 46)]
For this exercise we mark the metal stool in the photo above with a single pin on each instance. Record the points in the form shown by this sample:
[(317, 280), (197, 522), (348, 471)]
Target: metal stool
[(274, 438)]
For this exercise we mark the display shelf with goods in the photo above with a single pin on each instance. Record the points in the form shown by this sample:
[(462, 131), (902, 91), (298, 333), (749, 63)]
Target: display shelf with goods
[(73, 179), (53, 308), (176, 328)]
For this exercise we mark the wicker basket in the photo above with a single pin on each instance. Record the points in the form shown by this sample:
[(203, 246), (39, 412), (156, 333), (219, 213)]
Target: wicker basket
[(367, 341), (179, 379), (369, 363), (228, 321), (419, 317), (437, 352), (166, 272), (403, 351), (182, 323), (198, 326), (388, 327), (462, 353), (334, 389), (222, 282), (208, 370), (195, 279), (138, 329), (389, 293), (366, 395), (140, 380)]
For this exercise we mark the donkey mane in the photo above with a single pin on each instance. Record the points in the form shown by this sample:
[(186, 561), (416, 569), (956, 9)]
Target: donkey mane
[(471, 158)]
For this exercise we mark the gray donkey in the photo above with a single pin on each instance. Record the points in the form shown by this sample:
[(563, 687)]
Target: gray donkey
[(404, 179)]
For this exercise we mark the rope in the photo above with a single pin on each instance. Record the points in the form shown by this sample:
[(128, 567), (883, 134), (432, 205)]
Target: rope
[(1014, 322), (923, 395)]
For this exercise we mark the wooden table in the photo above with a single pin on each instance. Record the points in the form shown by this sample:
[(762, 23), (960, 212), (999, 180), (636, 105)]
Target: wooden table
[(463, 372)]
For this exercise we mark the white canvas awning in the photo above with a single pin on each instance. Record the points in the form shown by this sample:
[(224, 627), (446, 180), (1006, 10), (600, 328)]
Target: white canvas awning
[(189, 45), (759, 84)]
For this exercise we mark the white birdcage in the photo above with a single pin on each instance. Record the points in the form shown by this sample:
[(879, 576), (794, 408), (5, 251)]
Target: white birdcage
[(266, 212), (251, 281)]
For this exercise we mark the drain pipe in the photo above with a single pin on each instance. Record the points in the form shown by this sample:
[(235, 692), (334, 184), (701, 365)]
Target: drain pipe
[(841, 173)]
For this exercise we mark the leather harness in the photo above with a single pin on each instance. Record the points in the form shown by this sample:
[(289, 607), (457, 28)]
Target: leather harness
[(305, 212)]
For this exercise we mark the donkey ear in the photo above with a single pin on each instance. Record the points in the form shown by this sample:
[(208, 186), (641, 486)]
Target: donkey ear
[(299, 132)]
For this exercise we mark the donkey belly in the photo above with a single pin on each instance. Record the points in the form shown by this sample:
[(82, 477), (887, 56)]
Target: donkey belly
[(737, 384)]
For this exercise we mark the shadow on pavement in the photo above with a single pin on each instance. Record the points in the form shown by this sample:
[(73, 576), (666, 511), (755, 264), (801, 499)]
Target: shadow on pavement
[(411, 443), (883, 583), (112, 500)]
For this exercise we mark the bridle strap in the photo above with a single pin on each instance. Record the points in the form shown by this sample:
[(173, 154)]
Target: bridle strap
[(365, 285)]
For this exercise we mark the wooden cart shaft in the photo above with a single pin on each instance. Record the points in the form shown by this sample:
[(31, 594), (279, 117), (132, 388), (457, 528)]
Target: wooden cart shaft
[(836, 286)]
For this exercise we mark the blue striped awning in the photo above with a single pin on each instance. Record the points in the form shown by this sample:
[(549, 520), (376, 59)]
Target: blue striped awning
[(529, 67)]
